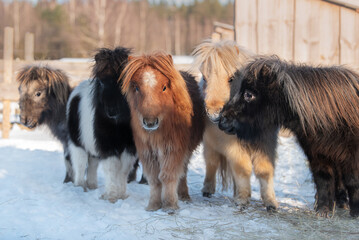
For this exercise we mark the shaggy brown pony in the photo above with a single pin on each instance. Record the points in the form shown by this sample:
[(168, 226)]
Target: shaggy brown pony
[(234, 158), (43, 96), (167, 123), (319, 104)]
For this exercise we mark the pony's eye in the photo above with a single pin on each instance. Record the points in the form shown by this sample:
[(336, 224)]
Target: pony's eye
[(249, 96), (38, 94), (230, 80), (137, 89), (164, 88)]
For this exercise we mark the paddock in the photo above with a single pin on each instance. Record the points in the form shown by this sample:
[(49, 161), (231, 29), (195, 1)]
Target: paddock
[(36, 205)]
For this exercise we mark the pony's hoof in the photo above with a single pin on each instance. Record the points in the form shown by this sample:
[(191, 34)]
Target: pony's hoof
[(241, 203), (143, 180), (68, 179), (354, 213), (184, 197), (272, 209), (343, 205), (169, 211), (207, 194), (324, 212), (91, 186), (113, 198), (153, 207)]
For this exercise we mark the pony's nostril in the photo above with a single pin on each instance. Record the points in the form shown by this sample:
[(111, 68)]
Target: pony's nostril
[(150, 122)]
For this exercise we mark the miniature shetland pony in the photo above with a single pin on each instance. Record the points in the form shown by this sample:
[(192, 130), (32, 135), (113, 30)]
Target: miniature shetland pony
[(319, 104), (217, 62), (43, 96), (99, 126), (167, 121)]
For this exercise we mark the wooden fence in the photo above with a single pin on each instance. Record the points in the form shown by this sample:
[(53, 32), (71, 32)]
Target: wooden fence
[(76, 70), (312, 31)]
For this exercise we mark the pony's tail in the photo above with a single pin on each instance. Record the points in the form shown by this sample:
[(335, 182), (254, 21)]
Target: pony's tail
[(225, 173)]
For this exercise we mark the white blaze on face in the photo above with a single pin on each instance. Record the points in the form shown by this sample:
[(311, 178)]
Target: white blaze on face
[(149, 78)]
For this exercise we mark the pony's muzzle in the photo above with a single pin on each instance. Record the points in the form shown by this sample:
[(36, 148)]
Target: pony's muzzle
[(27, 123), (150, 124), (213, 116), (226, 125)]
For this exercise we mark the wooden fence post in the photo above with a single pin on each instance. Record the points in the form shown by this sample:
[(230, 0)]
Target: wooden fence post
[(29, 47), (8, 61)]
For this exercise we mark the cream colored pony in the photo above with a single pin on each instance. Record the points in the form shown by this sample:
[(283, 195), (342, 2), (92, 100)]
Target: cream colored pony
[(217, 62)]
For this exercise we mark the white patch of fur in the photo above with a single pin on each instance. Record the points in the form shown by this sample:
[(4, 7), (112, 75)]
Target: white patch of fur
[(86, 112), (87, 119), (116, 172), (79, 164), (149, 78)]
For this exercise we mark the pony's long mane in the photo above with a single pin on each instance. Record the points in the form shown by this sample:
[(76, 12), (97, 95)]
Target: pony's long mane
[(110, 63), (325, 98), (164, 64), (225, 55), (55, 80)]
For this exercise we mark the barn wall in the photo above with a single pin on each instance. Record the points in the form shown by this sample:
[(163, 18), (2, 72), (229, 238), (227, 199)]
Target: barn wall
[(311, 31)]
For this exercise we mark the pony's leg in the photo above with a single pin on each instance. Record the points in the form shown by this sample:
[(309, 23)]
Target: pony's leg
[(69, 171), (212, 159), (79, 163), (324, 179), (341, 195), (241, 167), (182, 190), (116, 172), (151, 171), (264, 171), (351, 181), (133, 174), (169, 176), (91, 180)]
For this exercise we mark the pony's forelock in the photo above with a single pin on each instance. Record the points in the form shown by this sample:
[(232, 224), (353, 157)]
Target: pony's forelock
[(164, 64), (225, 55), (55, 80)]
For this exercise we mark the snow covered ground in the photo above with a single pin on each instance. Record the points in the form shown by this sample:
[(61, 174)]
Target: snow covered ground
[(35, 204)]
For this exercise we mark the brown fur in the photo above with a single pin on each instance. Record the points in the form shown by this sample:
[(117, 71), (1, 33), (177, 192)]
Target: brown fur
[(174, 100), (217, 62), (43, 96)]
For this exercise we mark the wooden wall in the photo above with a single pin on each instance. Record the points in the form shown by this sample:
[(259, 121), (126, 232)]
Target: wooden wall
[(311, 31)]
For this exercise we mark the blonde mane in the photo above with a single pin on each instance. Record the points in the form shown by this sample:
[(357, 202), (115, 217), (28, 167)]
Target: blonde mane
[(224, 54)]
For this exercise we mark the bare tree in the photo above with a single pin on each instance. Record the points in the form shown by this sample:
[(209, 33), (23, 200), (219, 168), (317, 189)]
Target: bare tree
[(143, 13), (100, 8), (119, 21)]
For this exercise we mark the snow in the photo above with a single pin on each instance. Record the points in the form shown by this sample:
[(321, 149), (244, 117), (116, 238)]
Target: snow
[(35, 204)]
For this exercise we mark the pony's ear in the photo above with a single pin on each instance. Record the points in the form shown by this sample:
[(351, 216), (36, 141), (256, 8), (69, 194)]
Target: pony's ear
[(237, 49), (169, 56), (58, 84), (265, 71)]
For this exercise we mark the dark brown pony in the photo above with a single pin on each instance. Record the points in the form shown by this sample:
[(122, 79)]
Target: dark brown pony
[(319, 104), (43, 96), (167, 122)]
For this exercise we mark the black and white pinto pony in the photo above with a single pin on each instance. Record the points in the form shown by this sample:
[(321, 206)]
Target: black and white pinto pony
[(99, 125)]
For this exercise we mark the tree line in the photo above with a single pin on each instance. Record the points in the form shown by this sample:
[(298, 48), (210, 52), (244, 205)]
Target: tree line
[(75, 28)]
